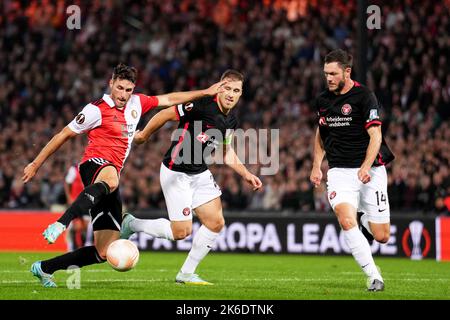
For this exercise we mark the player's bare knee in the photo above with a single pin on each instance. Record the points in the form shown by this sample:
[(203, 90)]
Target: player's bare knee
[(181, 233), (382, 237), (347, 223), (383, 240), (216, 225)]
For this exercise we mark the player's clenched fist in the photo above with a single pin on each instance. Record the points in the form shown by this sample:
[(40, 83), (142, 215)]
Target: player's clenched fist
[(254, 181), (316, 176), (363, 175)]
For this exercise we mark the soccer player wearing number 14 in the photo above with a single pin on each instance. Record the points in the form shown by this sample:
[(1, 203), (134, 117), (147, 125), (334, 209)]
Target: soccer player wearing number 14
[(349, 134)]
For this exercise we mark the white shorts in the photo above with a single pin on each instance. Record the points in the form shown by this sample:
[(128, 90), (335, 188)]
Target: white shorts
[(185, 192), (371, 198)]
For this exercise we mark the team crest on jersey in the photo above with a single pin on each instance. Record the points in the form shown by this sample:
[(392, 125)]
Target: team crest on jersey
[(373, 114), (203, 137), (186, 211), (322, 121), (80, 118), (332, 195), (134, 114), (188, 106), (346, 109)]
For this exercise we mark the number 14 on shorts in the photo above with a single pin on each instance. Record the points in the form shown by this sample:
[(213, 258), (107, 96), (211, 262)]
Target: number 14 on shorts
[(381, 201)]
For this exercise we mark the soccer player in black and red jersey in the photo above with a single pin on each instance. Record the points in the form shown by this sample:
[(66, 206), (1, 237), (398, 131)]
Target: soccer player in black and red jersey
[(110, 124), (349, 134), (205, 125)]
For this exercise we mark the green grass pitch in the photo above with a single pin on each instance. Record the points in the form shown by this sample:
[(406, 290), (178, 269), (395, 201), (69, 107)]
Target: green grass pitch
[(235, 277)]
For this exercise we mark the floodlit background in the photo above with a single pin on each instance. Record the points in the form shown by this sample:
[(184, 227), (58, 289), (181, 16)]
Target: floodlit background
[(53, 61)]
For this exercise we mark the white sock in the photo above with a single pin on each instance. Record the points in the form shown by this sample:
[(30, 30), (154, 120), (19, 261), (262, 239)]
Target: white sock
[(203, 241), (361, 251), (365, 223), (158, 228)]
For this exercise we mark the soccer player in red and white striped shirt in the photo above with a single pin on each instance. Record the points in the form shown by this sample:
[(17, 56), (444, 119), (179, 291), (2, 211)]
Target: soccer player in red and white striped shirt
[(110, 124)]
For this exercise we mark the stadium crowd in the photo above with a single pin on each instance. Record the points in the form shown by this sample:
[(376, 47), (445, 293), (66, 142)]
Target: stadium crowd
[(48, 73)]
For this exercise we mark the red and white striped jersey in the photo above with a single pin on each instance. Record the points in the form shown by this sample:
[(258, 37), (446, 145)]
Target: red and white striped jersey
[(110, 131)]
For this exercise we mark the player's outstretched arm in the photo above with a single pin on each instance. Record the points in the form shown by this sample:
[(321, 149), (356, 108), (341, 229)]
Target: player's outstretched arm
[(54, 144), (319, 153), (156, 122), (233, 161), (174, 98)]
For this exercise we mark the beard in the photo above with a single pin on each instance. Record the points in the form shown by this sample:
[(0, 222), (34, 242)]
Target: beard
[(340, 86)]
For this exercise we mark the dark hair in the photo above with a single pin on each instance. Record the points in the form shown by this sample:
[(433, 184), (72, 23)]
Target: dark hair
[(344, 59), (232, 74), (124, 72)]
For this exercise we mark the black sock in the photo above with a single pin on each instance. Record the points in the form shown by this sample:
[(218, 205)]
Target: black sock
[(363, 229), (81, 257), (87, 199)]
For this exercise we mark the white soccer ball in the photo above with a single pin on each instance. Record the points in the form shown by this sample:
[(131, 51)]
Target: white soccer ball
[(122, 255)]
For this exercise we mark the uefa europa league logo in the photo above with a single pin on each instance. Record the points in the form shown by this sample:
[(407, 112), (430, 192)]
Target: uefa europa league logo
[(416, 228)]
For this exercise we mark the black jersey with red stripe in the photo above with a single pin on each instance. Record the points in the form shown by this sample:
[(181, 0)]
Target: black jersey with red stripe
[(343, 123), (202, 128)]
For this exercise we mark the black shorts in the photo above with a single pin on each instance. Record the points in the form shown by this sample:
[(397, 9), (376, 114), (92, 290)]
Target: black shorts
[(107, 214)]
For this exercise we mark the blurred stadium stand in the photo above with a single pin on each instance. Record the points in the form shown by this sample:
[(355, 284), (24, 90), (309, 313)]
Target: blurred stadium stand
[(48, 73)]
